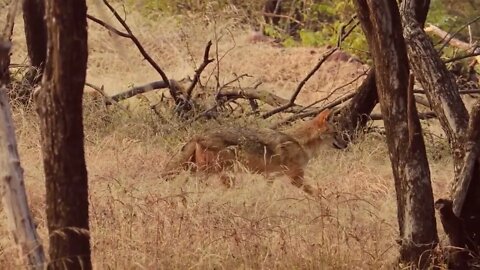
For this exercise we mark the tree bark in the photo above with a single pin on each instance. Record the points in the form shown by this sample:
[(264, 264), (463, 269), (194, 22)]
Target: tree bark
[(440, 86), (36, 36), (381, 23), (460, 219), (353, 117), (59, 105), (14, 196)]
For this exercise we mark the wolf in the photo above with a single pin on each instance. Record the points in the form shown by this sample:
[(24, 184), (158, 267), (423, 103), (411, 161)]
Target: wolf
[(261, 150)]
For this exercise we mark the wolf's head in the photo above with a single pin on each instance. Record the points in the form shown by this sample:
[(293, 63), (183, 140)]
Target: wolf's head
[(317, 133), (325, 130)]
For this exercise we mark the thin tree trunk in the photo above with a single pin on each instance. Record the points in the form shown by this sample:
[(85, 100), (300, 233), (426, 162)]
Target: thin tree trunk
[(380, 21), (14, 196), (36, 36), (59, 105)]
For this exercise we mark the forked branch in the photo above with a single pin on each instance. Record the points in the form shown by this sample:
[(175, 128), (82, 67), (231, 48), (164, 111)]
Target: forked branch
[(199, 70)]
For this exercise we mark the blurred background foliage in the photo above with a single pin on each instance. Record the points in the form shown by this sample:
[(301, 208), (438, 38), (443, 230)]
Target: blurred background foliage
[(312, 22)]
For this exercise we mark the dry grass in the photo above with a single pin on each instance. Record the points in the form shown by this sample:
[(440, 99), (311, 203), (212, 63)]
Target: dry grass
[(139, 221)]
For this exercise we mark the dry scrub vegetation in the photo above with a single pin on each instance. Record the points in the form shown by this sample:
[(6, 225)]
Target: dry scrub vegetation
[(140, 221)]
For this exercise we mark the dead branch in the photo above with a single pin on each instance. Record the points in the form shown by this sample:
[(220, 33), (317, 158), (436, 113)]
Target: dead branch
[(458, 31), (291, 102), (342, 35), (290, 18), (461, 92), (138, 90), (199, 70), (461, 57), (109, 27), (144, 53), (231, 93), (423, 116), (108, 100), (449, 38), (314, 111)]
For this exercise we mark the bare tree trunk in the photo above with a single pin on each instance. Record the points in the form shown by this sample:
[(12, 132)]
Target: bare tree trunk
[(59, 105), (353, 117), (460, 219), (440, 86), (380, 21), (14, 196), (36, 36)]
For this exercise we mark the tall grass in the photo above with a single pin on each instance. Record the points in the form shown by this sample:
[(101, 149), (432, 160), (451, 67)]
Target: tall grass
[(140, 221)]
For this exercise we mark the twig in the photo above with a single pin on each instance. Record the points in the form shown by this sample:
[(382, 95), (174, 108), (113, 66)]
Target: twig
[(451, 36), (423, 116), (236, 79), (336, 89), (312, 112), (107, 98), (200, 69), (267, 14), (108, 27), (461, 57), (291, 102), (325, 56), (204, 113), (147, 57)]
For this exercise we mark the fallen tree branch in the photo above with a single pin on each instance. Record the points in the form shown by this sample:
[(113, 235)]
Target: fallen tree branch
[(461, 57), (19, 221), (138, 90), (108, 100), (423, 116), (449, 38), (231, 93), (314, 111)]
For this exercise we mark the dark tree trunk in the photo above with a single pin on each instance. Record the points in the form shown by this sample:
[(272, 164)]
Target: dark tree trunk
[(380, 21), (36, 36), (460, 219), (440, 86), (59, 105), (353, 117), (4, 62)]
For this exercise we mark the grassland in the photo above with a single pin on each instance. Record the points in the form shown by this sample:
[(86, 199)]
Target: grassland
[(140, 221)]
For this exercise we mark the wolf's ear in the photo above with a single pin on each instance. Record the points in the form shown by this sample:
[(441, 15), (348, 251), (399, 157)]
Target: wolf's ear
[(322, 117)]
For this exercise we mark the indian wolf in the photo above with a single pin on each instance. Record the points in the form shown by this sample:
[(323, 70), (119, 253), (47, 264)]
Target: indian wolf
[(259, 150)]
